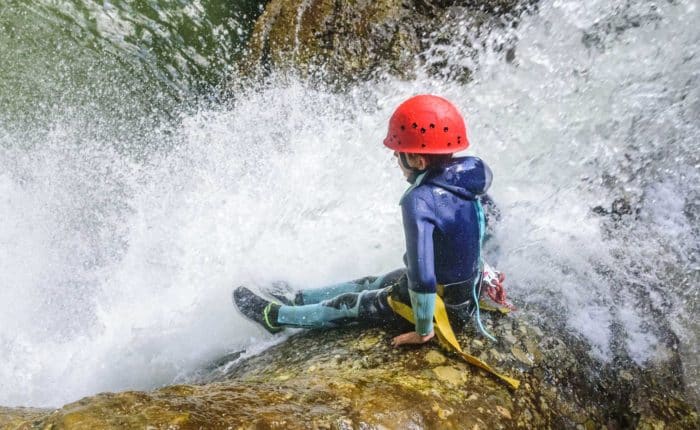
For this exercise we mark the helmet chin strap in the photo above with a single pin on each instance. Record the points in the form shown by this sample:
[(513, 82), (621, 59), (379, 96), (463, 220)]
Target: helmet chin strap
[(414, 173)]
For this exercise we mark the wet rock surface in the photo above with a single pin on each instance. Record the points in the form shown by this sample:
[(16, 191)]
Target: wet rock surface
[(352, 378), (358, 40)]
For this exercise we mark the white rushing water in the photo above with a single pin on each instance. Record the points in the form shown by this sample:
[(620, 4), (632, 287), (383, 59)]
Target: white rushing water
[(116, 269)]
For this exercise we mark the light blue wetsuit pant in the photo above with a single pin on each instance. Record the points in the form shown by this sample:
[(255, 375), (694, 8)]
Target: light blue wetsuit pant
[(363, 300)]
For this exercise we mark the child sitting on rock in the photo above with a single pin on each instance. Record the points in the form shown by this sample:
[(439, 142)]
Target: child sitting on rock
[(444, 224)]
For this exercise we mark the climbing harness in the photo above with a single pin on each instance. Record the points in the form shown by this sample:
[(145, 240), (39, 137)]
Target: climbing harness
[(447, 338)]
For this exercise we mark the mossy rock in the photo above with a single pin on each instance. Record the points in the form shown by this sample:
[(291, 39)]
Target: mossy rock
[(352, 378)]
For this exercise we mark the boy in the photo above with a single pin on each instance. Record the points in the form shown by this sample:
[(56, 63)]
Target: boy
[(443, 223)]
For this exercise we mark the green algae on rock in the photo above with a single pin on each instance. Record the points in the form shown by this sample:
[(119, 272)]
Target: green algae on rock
[(13, 418), (352, 378)]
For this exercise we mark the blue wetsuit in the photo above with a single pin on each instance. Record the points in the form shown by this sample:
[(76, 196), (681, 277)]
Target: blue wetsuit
[(441, 215)]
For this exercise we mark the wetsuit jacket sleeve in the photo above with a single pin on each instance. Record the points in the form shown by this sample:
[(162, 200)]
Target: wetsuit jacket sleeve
[(419, 223)]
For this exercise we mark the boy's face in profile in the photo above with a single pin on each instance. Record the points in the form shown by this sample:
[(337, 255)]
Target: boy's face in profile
[(415, 161)]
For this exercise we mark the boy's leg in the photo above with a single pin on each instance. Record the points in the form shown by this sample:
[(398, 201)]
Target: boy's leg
[(317, 295), (367, 306), (339, 310)]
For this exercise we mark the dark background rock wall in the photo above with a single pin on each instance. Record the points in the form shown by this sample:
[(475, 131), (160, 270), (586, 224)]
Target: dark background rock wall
[(343, 41)]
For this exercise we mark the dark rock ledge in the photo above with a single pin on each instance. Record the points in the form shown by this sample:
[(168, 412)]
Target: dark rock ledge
[(353, 379)]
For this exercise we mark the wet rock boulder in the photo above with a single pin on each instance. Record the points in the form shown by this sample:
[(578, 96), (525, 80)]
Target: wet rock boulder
[(341, 41), (351, 378)]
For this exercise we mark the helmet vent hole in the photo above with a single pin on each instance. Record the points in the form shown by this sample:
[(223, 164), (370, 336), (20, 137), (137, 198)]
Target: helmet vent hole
[(414, 125), (422, 145), (446, 129), (403, 127), (449, 143), (422, 130), (432, 125)]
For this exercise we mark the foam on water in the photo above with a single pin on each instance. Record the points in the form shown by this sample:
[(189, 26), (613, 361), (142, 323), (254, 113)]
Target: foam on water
[(116, 269), (601, 103), (121, 273)]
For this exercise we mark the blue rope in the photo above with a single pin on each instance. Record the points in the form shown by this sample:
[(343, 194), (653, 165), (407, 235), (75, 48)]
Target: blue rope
[(477, 281)]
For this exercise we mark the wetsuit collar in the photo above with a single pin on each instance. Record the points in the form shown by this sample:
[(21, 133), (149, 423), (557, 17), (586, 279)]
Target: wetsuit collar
[(416, 182)]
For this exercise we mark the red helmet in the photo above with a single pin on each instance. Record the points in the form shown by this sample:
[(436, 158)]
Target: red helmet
[(427, 124)]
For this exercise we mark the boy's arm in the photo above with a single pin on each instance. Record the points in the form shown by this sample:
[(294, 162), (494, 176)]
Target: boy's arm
[(418, 227)]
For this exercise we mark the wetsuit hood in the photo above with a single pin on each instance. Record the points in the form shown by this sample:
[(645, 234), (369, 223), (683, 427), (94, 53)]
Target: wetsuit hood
[(466, 177)]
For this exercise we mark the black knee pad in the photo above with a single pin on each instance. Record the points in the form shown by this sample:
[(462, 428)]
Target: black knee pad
[(365, 280), (393, 278), (374, 306)]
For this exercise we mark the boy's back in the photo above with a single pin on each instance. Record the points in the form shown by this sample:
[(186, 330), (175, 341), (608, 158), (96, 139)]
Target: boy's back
[(442, 219)]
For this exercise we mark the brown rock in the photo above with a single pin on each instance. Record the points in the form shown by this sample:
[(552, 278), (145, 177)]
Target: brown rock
[(434, 357), (400, 390), (450, 375), (344, 41)]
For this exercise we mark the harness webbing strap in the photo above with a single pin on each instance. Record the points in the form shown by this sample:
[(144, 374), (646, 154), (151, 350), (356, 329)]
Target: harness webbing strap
[(447, 338)]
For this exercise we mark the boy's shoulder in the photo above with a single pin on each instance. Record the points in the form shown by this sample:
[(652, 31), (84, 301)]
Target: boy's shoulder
[(463, 177), (418, 193)]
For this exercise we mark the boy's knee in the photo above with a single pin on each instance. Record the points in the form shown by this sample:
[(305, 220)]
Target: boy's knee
[(343, 301), (373, 305)]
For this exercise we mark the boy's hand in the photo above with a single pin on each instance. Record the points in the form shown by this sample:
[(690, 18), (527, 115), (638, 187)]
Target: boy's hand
[(411, 338)]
